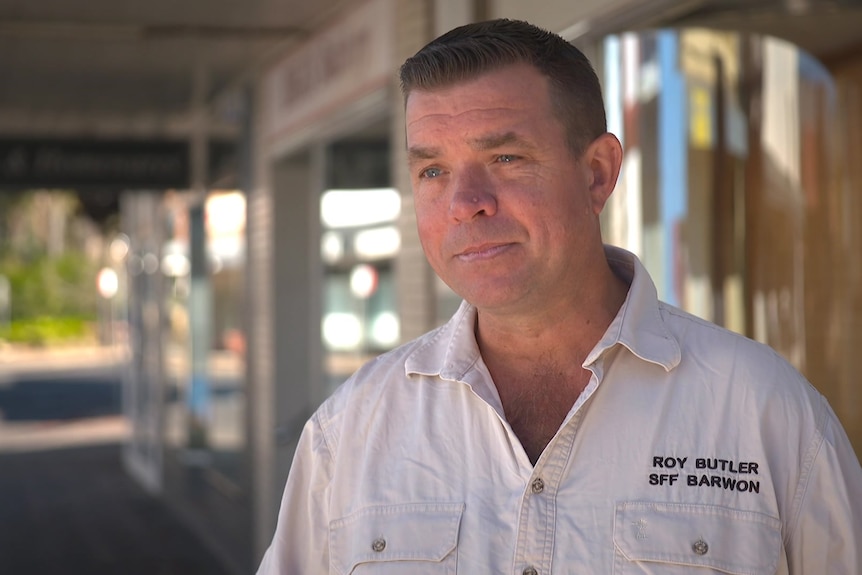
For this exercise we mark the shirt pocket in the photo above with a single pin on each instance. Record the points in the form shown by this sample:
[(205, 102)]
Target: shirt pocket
[(676, 538), (409, 538)]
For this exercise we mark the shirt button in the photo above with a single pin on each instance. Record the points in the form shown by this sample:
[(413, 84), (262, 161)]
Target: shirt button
[(378, 545), (538, 485), (700, 547), (530, 571)]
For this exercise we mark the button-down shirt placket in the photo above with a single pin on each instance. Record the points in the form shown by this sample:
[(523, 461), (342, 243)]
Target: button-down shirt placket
[(537, 518)]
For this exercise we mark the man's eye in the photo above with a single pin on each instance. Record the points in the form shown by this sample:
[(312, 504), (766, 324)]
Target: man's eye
[(430, 173), (506, 158)]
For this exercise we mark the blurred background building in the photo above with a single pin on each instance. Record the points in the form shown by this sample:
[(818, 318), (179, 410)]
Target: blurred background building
[(251, 156)]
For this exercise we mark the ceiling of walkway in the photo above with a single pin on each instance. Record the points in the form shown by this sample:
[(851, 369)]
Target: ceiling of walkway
[(137, 60), (67, 57)]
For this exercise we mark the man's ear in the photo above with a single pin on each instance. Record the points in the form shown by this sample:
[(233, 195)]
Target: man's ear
[(604, 157)]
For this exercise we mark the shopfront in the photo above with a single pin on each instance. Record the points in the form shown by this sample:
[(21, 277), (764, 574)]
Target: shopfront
[(740, 192)]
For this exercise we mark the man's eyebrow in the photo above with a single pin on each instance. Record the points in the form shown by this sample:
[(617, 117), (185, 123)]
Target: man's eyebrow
[(494, 141), (416, 153), (483, 143)]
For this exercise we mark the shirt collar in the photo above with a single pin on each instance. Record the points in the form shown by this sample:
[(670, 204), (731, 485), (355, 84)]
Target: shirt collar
[(638, 325), (451, 351)]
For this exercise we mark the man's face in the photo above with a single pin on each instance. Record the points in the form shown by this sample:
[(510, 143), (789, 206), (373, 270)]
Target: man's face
[(503, 207)]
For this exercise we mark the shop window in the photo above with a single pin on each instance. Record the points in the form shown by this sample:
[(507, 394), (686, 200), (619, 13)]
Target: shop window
[(739, 190), (359, 242), (204, 345)]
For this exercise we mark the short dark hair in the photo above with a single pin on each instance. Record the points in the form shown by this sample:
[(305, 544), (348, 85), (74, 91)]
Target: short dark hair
[(469, 51)]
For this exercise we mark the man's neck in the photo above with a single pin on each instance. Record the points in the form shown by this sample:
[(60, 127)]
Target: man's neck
[(536, 362), (562, 334)]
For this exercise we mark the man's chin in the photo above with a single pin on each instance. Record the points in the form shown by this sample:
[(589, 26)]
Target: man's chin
[(490, 302)]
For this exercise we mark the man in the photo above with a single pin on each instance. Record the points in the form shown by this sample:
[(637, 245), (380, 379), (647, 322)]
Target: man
[(564, 420)]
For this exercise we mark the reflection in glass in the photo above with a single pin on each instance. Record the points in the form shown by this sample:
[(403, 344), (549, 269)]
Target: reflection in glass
[(740, 191), (358, 245), (204, 421)]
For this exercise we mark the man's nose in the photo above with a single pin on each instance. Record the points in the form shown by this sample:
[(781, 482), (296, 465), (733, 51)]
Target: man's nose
[(473, 195)]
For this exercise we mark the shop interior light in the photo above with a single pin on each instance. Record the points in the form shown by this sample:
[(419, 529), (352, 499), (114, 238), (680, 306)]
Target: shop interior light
[(377, 243), (176, 265), (342, 331), (355, 208), (385, 329), (108, 283), (331, 247), (225, 213)]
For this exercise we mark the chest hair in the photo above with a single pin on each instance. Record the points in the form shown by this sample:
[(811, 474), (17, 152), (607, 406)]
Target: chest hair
[(536, 406)]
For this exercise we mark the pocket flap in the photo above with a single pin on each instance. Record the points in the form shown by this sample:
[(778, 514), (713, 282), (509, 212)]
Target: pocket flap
[(404, 532), (729, 540)]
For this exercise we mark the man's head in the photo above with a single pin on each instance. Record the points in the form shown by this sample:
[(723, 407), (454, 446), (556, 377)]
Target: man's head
[(507, 214), (475, 49)]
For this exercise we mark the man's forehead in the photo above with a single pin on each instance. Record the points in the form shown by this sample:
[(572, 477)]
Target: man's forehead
[(472, 122), (495, 88), (432, 117)]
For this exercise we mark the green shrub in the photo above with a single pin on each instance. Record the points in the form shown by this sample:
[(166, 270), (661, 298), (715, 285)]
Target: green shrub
[(46, 331), (51, 286)]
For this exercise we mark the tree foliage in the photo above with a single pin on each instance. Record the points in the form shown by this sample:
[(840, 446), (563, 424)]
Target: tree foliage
[(51, 286), (51, 273)]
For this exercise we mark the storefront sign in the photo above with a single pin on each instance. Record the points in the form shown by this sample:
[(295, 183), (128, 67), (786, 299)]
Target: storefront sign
[(72, 163), (103, 164), (340, 65)]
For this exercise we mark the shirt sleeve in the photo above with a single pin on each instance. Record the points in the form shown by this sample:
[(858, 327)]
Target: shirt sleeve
[(301, 541), (828, 533)]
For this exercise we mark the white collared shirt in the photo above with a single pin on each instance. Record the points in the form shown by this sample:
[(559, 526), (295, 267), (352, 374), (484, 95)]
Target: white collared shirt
[(691, 450)]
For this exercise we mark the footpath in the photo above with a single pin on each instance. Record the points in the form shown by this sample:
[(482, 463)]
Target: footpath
[(67, 506)]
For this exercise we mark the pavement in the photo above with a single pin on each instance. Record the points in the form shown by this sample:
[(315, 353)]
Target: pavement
[(67, 506)]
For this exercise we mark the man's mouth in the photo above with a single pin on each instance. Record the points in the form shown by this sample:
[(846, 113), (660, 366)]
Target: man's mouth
[(482, 252)]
